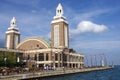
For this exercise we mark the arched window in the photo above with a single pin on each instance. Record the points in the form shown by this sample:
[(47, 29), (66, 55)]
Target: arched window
[(60, 11)]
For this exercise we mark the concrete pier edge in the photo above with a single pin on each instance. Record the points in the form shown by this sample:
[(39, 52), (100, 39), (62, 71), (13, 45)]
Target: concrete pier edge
[(50, 73)]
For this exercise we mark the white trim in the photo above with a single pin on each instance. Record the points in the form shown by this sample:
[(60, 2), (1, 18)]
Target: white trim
[(56, 36), (66, 36), (12, 31), (59, 17), (13, 28), (16, 41), (11, 50), (58, 61), (61, 46), (43, 62), (75, 54), (59, 20), (8, 42), (42, 50), (75, 62)]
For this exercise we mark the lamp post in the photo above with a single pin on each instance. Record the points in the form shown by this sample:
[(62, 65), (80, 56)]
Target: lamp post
[(105, 59), (18, 60), (5, 59), (91, 61), (86, 61)]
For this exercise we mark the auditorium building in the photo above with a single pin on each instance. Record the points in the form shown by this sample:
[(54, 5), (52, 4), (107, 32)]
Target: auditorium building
[(41, 52)]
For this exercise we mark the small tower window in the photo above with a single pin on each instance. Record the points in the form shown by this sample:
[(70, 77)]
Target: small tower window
[(60, 11)]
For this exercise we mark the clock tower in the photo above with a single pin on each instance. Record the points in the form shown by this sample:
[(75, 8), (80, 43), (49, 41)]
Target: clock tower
[(60, 31), (12, 35)]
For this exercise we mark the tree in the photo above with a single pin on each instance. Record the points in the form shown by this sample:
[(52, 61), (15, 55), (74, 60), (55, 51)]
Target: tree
[(1, 59), (11, 58)]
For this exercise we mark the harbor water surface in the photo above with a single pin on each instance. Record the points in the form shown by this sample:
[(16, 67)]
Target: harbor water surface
[(110, 74)]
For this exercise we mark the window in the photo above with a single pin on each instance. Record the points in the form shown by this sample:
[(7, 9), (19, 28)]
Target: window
[(8, 41), (56, 64), (56, 57), (16, 41), (47, 57), (60, 11), (28, 57), (35, 57), (60, 57), (66, 36), (56, 36), (41, 57), (65, 57)]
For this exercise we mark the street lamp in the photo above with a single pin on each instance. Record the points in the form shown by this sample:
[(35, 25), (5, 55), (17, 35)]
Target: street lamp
[(17, 60), (86, 61), (5, 59), (91, 61)]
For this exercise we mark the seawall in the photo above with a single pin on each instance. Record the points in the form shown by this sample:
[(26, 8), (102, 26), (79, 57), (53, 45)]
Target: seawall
[(48, 73)]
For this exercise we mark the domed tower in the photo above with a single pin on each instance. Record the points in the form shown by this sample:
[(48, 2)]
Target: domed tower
[(60, 31), (12, 35)]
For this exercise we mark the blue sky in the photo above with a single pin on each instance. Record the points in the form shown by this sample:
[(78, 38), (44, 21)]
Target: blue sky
[(93, 24)]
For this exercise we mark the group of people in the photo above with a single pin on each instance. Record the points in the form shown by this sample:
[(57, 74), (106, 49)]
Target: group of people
[(46, 67), (17, 71), (4, 72)]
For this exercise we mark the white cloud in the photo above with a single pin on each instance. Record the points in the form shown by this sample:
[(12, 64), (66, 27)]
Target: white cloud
[(88, 26)]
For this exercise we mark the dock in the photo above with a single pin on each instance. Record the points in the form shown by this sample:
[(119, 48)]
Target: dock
[(49, 73)]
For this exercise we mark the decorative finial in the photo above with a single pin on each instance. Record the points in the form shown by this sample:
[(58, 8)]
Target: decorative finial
[(59, 10), (13, 22)]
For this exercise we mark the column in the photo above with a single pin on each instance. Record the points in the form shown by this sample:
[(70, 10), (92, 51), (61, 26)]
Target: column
[(53, 58), (62, 59), (79, 62), (44, 56), (72, 62), (58, 59), (68, 60)]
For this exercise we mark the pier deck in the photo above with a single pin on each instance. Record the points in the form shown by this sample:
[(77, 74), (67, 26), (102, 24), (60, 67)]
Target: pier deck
[(48, 73)]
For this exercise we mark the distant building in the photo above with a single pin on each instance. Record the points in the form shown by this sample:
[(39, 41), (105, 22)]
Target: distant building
[(41, 52)]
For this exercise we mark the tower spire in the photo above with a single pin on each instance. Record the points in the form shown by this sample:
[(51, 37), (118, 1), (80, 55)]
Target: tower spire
[(12, 35), (59, 10), (60, 29), (13, 22)]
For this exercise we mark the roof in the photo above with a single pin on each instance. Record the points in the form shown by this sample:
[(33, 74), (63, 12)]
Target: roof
[(46, 42)]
